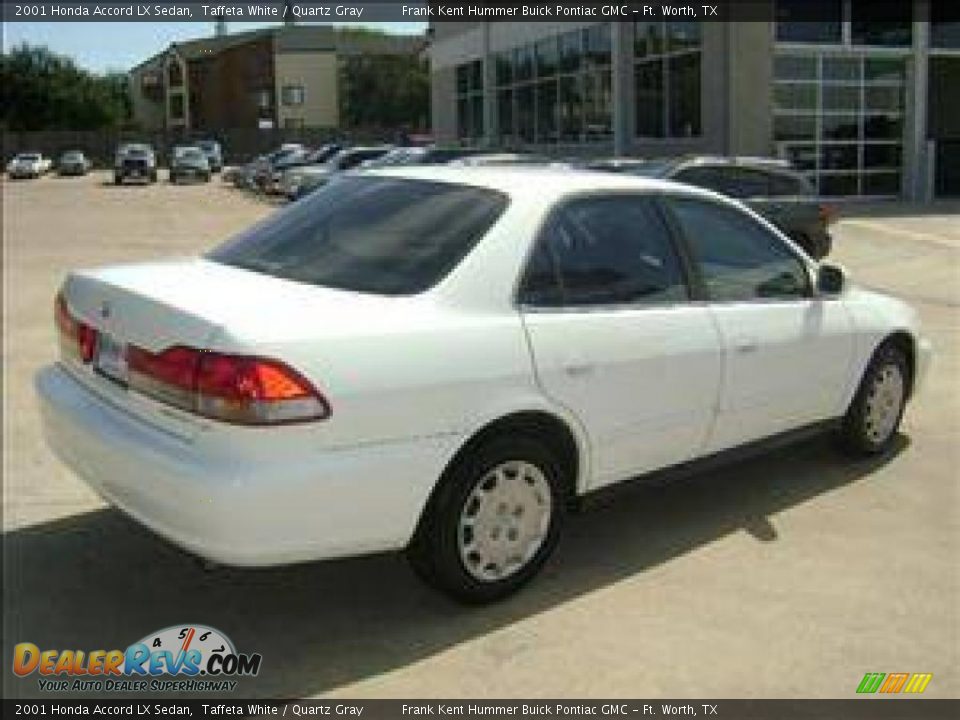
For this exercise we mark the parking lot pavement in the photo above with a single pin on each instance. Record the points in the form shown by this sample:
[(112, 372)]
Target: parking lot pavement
[(788, 575)]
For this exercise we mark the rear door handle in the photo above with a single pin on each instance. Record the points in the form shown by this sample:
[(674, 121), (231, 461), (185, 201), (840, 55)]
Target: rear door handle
[(745, 346), (578, 369)]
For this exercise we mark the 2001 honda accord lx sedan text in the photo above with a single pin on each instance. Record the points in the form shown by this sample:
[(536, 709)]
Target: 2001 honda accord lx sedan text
[(441, 358)]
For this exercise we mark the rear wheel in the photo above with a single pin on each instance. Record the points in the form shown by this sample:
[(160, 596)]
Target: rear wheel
[(871, 422), (493, 521)]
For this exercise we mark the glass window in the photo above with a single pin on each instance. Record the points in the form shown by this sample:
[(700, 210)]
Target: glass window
[(601, 251), (504, 66), (547, 111), (292, 95), (809, 21), (683, 80), (738, 258), (647, 39), (883, 70), (881, 184), (841, 69), (649, 98), (548, 57), (840, 97), (523, 63), (470, 124), (571, 51), (840, 127), (176, 106), (882, 127), (376, 235), (525, 100), (794, 127), (839, 184), (598, 104), (667, 79), (597, 45), (795, 96), (505, 114), (839, 157), (944, 25), (880, 23), (795, 67), (882, 155), (883, 97), (571, 108)]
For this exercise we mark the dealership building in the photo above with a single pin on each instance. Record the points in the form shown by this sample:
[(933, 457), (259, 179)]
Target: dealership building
[(860, 100)]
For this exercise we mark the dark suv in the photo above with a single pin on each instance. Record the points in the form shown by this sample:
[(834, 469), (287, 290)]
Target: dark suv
[(771, 187), (135, 160)]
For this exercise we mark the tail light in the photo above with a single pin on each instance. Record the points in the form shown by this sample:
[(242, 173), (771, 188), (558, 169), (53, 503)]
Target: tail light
[(236, 389), (77, 339)]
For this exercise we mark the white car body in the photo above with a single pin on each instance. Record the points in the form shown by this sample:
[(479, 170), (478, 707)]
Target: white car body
[(411, 379), (28, 165)]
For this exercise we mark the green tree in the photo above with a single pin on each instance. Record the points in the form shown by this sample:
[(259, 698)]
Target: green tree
[(40, 90), (385, 91)]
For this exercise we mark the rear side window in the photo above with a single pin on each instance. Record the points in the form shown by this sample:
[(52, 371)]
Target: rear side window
[(737, 257), (599, 251), (387, 236), (731, 181)]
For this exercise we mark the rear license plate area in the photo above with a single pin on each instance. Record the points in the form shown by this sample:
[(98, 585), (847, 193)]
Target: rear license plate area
[(111, 358)]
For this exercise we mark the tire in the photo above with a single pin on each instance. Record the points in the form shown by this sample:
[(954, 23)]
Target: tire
[(467, 500), (873, 418)]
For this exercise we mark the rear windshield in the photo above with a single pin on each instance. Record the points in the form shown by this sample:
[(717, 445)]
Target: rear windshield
[(388, 236)]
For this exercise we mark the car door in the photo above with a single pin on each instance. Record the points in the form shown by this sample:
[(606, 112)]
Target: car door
[(605, 301), (788, 351)]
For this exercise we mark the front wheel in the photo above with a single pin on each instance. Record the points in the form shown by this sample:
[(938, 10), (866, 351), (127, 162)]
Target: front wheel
[(493, 522), (873, 418)]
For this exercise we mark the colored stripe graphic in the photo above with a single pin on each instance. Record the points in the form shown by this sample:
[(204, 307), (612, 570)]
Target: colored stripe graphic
[(871, 682), (895, 681), (918, 683)]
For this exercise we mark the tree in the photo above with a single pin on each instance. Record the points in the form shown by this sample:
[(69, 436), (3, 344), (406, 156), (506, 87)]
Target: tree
[(40, 90), (385, 91)]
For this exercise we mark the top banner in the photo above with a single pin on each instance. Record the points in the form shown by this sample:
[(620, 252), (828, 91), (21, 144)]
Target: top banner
[(309, 11)]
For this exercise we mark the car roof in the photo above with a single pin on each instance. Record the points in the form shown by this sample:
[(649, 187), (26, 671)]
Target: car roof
[(536, 181)]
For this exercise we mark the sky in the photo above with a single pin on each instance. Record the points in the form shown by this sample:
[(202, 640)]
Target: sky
[(119, 46)]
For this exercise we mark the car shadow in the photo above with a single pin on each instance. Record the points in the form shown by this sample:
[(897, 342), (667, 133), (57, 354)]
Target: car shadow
[(98, 580)]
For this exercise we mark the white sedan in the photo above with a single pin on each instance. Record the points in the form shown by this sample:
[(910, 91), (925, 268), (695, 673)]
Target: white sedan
[(28, 165), (440, 359)]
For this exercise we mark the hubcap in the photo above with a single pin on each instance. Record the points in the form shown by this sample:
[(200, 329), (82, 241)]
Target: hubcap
[(504, 520), (883, 403)]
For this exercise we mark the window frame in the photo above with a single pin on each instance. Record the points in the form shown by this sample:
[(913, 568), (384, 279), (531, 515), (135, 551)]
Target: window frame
[(688, 275), (703, 293)]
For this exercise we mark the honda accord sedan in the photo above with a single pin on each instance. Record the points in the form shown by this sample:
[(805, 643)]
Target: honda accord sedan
[(442, 359)]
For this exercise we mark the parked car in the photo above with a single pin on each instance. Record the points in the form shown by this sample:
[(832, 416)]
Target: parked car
[(420, 155), (769, 186), (274, 185), (189, 162), (28, 165), (214, 153), (403, 359), (264, 173), (136, 161), (73, 162), (301, 181), (246, 176)]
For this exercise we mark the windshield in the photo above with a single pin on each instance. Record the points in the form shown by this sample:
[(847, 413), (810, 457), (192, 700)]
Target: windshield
[(208, 146), (28, 157), (70, 156), (389, 236)]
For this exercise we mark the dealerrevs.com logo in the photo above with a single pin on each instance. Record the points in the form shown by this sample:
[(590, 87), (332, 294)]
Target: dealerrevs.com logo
[(181, 658)]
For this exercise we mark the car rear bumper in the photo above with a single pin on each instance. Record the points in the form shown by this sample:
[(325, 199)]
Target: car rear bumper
[(241, 503)]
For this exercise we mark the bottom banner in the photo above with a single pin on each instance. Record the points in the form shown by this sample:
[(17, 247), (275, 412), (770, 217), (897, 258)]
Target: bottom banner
[(867, 709)]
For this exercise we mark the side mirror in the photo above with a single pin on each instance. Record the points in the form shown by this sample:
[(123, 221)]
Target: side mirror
[(831, 279)]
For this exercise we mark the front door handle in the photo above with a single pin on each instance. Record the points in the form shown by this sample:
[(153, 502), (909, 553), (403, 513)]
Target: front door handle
[(744, 346)]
